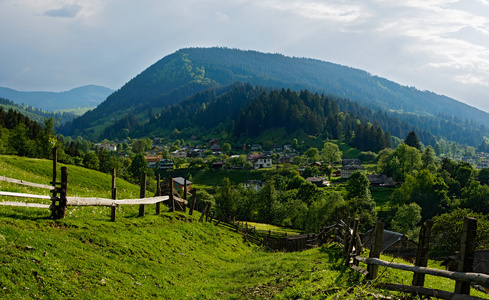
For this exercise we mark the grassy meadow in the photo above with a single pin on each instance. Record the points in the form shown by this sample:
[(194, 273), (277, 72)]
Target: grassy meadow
[(167, 256)]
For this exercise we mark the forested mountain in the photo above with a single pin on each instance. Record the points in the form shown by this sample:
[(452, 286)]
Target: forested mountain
[(244, 111), (189, 71), (85, 96), (35, 114)]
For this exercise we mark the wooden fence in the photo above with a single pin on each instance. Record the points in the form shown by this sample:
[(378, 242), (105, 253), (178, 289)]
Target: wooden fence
[(347, 235), (60, 199)]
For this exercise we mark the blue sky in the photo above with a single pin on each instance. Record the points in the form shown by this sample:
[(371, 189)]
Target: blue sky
[(437, 45)]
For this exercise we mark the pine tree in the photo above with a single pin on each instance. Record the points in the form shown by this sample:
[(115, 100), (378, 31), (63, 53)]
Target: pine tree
[(412, 140)]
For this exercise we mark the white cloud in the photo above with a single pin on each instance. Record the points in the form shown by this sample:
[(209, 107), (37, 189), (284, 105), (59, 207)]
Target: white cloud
[(222, 17), (67, 11)]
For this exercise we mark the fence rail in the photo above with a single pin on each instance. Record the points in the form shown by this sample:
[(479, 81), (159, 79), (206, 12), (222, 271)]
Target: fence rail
[(60, 200), (22, 182), (349, 238)]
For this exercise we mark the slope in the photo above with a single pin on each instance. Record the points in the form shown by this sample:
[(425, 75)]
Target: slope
[(165, 256), (191, 70)]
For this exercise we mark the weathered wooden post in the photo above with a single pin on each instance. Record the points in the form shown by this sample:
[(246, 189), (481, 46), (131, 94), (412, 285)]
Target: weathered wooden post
[(194, 199), (422, 252), (184, 194), (158, 193), (54, 198), (114, 195), (203, 213), (352, 242), (373, 270), (142, 193), (346, 237), (467, 248), (62, 194), (172, 198)]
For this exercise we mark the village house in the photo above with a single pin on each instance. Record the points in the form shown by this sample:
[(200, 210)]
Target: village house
[(196, 152), (480, 265), (107, 146), (179, 153), (256, 147), (318, 181), (350, 166), (253, 184), (166, 164), (153, 160), (213, 141), (381, 180), (215, 148), (179, 184), (393, 244), (260, 161)]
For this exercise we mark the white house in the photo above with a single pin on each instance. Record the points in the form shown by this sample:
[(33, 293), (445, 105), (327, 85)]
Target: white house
[(260, 161)]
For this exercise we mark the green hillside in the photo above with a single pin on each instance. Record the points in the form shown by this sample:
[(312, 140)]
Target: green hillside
[(167, 256), (189, 71), (85, 256)]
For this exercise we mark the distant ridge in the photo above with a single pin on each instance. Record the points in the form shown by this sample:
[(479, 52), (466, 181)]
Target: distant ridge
[(80, 97)]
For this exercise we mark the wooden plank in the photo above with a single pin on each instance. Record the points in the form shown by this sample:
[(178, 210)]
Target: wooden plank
[(24, 204), (151, 200), (22, 195), (359, 270), (181, 200), (23, 182), (78, 201), (82, 201), (479, 278), (426, 291)]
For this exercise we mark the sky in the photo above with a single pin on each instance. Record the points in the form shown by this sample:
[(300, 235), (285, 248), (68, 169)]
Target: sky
[(436, 45)]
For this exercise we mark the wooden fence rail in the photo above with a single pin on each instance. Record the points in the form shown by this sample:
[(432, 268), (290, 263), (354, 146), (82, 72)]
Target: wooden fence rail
[(59, 203), (464, 277), (22, 182)]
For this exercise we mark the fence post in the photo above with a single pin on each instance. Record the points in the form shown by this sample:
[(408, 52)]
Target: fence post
[(373, 270), (114, 195), (346, 236), (158, 193), (172, 199), (55, 189), (184, 194), (203, 213), (352, 242), (62, 194), (467, 247), (194, 199), (422, 252), (142, 193)]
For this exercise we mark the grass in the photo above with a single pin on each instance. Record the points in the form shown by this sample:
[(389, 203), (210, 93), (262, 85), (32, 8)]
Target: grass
[(273, 228), (389, 275), (167, 256)]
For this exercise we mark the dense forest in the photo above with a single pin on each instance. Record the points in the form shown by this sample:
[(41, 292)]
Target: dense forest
[(246, 111), (194, 70)]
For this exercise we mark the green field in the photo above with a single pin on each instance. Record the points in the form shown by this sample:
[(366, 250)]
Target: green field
[(167, 256)]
